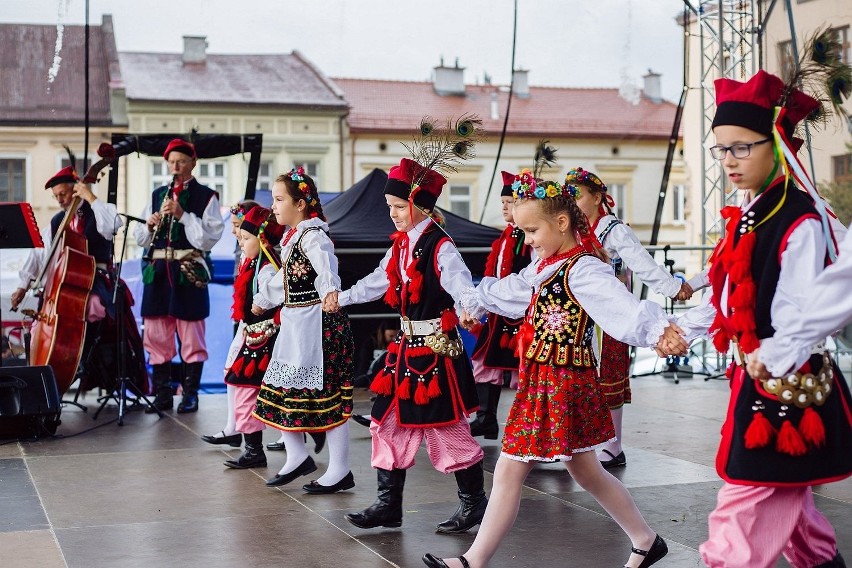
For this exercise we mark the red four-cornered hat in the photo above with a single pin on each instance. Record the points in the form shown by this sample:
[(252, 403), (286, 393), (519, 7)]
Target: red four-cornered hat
[(428, 188), (508, 180)]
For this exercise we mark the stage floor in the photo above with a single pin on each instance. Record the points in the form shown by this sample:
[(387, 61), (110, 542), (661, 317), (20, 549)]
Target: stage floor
[(151, 493)]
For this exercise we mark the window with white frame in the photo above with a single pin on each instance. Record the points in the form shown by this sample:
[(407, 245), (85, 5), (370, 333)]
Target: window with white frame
[(842, 36), (459, 200), (65, 162), (13, 180), (264, 176), (312, 169), (618, 191), (679, 203)]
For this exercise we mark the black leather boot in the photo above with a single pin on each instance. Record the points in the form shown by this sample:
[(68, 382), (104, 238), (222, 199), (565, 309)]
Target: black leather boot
[(164, 398), (472, 501), (253, 455), (387, 510), (191, 382), (836, 562), (485, 423)]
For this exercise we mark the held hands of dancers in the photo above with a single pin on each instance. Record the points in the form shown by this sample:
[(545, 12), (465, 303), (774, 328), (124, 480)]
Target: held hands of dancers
[(755, 368), (672, 342), (330, 303), (256, 310), (467, 321), (685, 293)]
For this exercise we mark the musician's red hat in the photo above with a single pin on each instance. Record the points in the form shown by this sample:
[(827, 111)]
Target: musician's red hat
[(180, 145), (65, 175)]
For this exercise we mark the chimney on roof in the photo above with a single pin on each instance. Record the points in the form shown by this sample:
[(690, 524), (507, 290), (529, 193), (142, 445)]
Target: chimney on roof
[(652, 88), (495, 107), (521, 85), (194, 49), (449, 80)]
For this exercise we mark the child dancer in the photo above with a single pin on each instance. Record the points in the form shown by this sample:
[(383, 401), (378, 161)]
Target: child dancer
[(780, 436), (623, 247), (257, 334), (228, 434), (308, 384), (560, 413), (496, 344), (427, 387)]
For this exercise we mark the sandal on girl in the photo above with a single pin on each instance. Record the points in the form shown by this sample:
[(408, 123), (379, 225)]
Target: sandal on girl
[(435, 562), (657, 551)]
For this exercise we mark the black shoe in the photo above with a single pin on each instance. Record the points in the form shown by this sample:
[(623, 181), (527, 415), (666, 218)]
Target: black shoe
[(276, 447), (306, 467), (617, 461), (387, 510), (836, 562), (188, 404), (248, 460), (435, 562), (234, 440), (362, 420), (487, 430), (653, 554), (348, 482)]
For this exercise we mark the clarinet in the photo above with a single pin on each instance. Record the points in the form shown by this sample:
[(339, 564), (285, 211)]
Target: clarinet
[(171, 220)]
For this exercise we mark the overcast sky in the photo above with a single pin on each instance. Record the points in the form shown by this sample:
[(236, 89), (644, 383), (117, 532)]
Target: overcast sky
[(566, 43)]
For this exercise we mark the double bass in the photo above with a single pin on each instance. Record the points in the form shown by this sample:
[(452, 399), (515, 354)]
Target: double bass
[(59, 327)]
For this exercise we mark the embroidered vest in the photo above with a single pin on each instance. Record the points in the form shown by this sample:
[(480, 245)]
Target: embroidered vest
[(193, 199), (299, 276), (562, 330)]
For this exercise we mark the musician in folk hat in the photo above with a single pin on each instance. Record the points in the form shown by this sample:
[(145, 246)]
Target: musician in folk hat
[(183, 224)]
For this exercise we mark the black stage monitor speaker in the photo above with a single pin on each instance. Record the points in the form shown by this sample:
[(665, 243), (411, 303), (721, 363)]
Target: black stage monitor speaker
[(29, 402)]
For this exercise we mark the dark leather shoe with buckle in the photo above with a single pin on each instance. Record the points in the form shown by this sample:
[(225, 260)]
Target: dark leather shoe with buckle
[(234, 440), (435, 562), (348, 482), (617, 460), (653, 554), (304, 468)]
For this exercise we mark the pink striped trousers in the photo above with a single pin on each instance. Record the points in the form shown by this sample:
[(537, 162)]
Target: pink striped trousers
[(751, 527), (450, 448)]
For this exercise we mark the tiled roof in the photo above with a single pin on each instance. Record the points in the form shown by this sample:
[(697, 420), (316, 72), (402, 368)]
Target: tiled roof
[(276, 79), (397, 106), (27, 54)]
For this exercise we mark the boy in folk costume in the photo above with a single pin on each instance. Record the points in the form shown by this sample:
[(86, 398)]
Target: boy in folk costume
[(427, 387), (251, 349), (496, 345), (780, 436)]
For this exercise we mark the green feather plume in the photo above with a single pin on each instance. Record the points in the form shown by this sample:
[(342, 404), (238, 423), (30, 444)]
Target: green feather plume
[(444, 148), (545, 157)]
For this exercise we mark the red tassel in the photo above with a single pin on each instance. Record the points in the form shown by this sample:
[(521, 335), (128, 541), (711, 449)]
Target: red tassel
[(789, 441), (525, 337), (277, 317), (382, 383), (405, 389), (504, 341), (739, 271), (393, 348), (264, 363), (391, 297), (513, 342), (415, 286), (434, 390), (745, 248), (250, 369), (744, 295), (759, 433), (749, 341), (237, 366), (449, 320), (811, 428), (421, 397), (421, 351)]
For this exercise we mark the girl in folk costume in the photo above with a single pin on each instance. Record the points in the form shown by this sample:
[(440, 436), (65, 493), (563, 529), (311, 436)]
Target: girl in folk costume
[(229, 434), (427, 387), (560, 412), (307, 387), (623, 248), (251, 349), (781, 435), (496, 345)]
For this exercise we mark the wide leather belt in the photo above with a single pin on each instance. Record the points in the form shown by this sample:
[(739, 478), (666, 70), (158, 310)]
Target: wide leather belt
[(171, 254), (415, 328)]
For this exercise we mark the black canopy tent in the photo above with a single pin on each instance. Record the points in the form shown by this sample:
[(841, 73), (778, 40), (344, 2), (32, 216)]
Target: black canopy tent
[(361, 227), (206, 146)]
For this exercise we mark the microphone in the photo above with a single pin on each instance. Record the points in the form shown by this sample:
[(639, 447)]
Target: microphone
[(132, 218)]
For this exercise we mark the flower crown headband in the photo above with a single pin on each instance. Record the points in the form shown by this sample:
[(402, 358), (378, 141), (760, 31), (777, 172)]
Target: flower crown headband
[(297, 175), (238, 210), (525, 186)]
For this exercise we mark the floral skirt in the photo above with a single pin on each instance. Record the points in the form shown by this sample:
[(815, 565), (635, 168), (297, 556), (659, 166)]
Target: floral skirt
[(558, 411), (315, 410), (615, 372)]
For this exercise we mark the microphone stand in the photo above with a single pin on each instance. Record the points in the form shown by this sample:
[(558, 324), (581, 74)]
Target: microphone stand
[(124, 381)]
